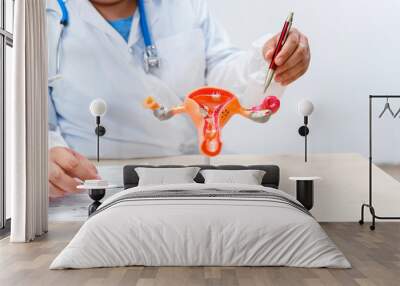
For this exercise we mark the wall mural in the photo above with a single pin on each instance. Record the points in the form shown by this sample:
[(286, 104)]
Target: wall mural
[(108, 57)]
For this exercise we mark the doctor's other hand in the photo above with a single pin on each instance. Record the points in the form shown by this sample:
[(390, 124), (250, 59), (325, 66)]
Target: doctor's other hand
[(66, 168), (294, 58)]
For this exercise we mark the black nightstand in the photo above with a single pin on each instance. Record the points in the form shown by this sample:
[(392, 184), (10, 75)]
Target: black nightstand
[(305, 190), (96, 193)]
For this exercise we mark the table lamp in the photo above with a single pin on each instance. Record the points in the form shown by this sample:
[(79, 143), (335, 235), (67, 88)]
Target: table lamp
[(98, 108), (305, 108)]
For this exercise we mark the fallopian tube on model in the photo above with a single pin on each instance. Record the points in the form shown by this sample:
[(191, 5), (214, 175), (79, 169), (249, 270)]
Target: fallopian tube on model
[(210, 109)]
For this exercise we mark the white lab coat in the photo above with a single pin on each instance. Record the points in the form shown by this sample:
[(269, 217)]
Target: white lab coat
[(96, 62)]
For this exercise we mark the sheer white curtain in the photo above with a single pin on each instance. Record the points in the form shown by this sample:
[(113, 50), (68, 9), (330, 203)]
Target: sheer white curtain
[(26, 117)]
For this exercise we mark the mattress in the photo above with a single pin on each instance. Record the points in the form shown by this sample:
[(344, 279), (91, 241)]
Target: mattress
[(201, 225)]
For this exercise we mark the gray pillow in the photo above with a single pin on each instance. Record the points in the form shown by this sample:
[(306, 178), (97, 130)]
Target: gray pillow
[(166, 176), (248, 177)]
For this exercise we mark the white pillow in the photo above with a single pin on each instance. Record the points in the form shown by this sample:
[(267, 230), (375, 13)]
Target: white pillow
[(166, 176), (248, 177)]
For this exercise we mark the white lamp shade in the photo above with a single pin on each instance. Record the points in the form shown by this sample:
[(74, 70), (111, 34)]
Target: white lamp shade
[(98, 107), (305, 107)]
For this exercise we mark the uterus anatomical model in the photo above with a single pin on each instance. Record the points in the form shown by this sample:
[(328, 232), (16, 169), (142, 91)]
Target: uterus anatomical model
[(210, 109)]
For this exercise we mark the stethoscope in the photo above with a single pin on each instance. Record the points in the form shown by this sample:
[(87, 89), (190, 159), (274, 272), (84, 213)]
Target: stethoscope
[(150, 55)]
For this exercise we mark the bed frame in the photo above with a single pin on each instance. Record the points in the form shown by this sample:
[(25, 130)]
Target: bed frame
[(270, 179)]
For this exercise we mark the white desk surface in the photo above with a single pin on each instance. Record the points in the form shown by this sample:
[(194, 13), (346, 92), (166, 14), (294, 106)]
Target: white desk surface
[(304, 178)]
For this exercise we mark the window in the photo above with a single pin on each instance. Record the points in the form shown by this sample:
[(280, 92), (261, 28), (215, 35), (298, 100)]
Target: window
[(6, 43)]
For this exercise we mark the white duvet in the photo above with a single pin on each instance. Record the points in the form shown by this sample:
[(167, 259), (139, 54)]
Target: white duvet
[(200, 231)]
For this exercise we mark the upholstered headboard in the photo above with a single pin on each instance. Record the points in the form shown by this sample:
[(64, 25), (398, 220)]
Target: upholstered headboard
[(270, 179)]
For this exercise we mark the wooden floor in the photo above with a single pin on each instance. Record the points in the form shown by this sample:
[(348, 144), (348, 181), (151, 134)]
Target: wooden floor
[(375, 257)]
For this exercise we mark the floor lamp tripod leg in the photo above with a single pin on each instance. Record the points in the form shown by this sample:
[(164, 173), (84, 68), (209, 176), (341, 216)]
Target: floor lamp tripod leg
[(361, 221)]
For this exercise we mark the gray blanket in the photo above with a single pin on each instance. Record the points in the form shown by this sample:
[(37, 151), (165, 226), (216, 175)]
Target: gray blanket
[(197, 225), (206, 193)]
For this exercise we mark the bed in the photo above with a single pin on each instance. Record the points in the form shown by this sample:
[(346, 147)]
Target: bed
[(201, 224)]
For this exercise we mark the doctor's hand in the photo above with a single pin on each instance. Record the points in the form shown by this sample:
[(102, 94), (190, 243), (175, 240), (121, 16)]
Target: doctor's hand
[(294, 58), (66, 168)]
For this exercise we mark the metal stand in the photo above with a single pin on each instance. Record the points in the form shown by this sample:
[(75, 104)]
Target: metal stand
[(100, 131), (96, 195), (305, 148), (304, 131), (370, 204)]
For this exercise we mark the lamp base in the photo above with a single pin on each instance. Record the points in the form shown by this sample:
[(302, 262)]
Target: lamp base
[(100, 131), (304, 131)]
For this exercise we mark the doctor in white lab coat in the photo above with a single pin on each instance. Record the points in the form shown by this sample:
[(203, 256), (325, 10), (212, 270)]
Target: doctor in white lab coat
[(97, 61)]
